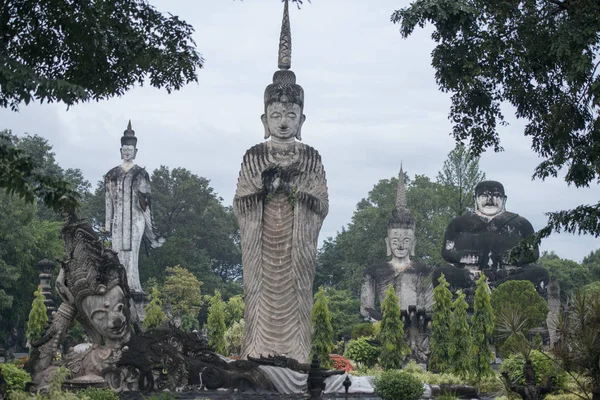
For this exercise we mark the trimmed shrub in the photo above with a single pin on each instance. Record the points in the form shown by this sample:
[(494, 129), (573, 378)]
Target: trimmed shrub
[(361, 351), (363, 330), (398, 385), (15, 377), (544, 368), (97, 394)]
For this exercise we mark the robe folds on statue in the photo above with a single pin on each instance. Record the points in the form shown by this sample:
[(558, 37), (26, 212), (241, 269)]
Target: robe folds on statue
[(279, 232), (128, 217)]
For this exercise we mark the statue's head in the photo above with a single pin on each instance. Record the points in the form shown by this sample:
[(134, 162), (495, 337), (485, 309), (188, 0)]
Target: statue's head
[(490, 199), (106, 313), (284, 99), (93, 281), (128, 144), (400, 243), (401, 240)]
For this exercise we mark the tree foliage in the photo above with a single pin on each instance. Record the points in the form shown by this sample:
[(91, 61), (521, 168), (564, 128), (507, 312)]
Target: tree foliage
[(391, 336), (539, 56), (234, 310), (25, 239), (521, 295), (459, 176), (38, 317), (233, 337), (322, 331), (482, 326), (440, 339), (460, 333), (579, 342), (344, 310), (216, 323), (155, 316), (569, 274), (361, 351), (182, 289), (53, 51)]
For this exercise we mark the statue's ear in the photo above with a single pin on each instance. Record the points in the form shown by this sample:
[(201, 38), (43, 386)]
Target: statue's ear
[(121, 151), (263, 118), (388, 248), (412, 249), (299, 132)]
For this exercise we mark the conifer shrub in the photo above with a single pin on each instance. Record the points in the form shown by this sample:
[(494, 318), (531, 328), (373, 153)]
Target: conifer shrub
[(97, 394), (16, 378), (38, 317), (322, 335), (216, 323), (391, 336), (398, 385)]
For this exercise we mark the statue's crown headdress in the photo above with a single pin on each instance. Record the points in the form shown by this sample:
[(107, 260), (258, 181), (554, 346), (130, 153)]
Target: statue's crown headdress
[(401, 216), (284, 88), (128, 137)]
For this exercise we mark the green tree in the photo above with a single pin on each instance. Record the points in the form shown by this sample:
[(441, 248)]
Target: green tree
[(344, 310), (592, 263), (482, 326), (25, 240), (182, 289), (569, 274), (391, 336), (440, 339), (50, 50), (523, 296), (155, 316), (539, 56), (322, 331), (460, 334), (234, 310), (579, 347), (38, 317), (459, 176), (216, 323), (234, 336)]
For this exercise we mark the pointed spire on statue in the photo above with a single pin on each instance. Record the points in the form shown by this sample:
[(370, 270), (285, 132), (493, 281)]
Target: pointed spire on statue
[(128, 137), (401, 193), (285, 40), (401, 215), (284, 87)]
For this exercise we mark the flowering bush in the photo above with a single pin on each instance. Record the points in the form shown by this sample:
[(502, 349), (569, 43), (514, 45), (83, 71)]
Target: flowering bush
[(341, 362)]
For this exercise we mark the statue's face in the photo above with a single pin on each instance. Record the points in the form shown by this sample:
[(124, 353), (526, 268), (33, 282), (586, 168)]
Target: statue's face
[(106, 314), (401, 242), (283, 120), (490, 202), (128, 152)]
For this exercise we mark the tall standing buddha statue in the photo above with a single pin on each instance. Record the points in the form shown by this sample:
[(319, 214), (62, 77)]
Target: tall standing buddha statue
[(128, 213), (280, 204)]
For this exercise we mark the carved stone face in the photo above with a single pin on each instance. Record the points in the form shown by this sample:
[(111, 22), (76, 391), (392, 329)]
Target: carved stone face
[(490, 203), (401, 243), (128, 152), (283, 121), (107, 316)]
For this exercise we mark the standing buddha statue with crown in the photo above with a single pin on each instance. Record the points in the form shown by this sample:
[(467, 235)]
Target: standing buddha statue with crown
[(280, 204), (411, 281)]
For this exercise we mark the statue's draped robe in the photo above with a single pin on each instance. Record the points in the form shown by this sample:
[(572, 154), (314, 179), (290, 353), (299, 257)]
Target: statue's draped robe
[(128, 216), (279, 233), (413, 287)]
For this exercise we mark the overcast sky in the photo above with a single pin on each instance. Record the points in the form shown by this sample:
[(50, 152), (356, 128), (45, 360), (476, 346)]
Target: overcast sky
[(371, 101)]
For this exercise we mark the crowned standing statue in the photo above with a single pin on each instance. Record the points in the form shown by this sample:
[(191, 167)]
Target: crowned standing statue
[(280, 203), (129, 216)]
